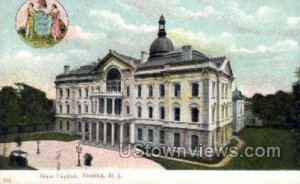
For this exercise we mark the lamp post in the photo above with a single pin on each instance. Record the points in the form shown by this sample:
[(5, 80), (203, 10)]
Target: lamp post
[(58, 155), (38, 147), (78, 151)]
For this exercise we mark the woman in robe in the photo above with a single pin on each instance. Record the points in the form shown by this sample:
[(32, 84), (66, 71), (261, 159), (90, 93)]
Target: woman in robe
[(55, 27), (30, 21)]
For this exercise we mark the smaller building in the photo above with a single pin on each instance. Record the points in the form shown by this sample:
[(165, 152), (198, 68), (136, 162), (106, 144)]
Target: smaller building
[(238, 111)]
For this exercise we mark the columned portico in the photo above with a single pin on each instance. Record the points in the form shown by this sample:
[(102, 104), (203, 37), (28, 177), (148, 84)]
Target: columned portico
[(107, 133)]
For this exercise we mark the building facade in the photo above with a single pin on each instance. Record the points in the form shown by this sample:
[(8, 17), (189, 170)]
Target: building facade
[(171, 97), (238, 111)]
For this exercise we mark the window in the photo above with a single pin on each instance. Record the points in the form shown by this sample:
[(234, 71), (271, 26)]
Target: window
[(176, 139), (68, 125), (195, 114), (150, 112), (113, 80), (162, 137), (79, 126), (101, 105), (162, 90), (139, 111), (109, 105), (79, 93), (150, 135), (86, 127), (213, 89), (60, 108), (223, 91), (177, 90), (79, 109), (150, 91), (140, 134), (128, 91), (86, 108), (118, 106), (68, 108), (194, 142), (60, 125), (162, 112), (195, 89), (86, 92), (139, 91), (177, 113), (60, 93), (93, 107), (68, 93), (226, 91), (128, 109), (213, 113)]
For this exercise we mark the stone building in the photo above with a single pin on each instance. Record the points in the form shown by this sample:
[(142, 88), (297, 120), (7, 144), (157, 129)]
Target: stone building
[(238, 111), (171, 97)]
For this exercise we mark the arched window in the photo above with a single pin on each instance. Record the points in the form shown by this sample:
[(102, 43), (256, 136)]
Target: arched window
[(113, 80)]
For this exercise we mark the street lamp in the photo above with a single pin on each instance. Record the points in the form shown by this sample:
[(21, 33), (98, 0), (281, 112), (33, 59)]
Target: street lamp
[(78, 151), (38, 147), (58, 155)]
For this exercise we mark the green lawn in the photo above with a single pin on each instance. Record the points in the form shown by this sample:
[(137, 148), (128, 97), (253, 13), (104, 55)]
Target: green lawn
[(287, 140), (44, 136)]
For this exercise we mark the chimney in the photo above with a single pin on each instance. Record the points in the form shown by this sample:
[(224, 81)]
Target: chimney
[(66, 69), (186, 52), (144, 57)]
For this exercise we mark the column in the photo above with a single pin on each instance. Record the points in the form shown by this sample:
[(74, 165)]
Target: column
[(90, 130), (121, 133), (113, 106), (105, 108), (97, 131), (83, 131), (132, 133), (112, 134), (104, 133)]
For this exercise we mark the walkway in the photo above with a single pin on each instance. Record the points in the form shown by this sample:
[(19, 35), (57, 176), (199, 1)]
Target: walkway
[(222, 163)]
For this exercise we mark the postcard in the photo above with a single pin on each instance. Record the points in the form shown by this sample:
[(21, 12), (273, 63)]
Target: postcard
[(148, 91)]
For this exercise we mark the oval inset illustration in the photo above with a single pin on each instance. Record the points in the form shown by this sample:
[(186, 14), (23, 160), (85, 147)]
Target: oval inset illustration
[(42, 23)]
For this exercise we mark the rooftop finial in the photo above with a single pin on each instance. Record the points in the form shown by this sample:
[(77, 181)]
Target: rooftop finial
[(161, 28)]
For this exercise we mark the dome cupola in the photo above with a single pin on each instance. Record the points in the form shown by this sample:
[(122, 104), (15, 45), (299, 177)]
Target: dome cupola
[(161, 44)]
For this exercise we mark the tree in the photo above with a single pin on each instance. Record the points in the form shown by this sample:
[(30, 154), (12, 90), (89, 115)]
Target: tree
[(18, 141), (298, 73)]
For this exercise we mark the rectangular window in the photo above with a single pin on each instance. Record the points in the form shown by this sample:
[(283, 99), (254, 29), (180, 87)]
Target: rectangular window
[(86, 108), (86, 127), (109, 105), (177, 114), (140, 134), (177, 90), (162, 137), (118, 106), (79, 126), (195, 89), (68, 93), (60, 93), (162, 112), (60, 108), (150, 135), (150, 112), (86, 92), (176, 140), (162, 90), (79, 93), (139, 111), (101, 106), (139, 91), (128, 91), (68, 109), (213, 89), (68, 125), (60, 125), (128, 109), (195, 115), (79, 109), (150, 91)]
